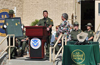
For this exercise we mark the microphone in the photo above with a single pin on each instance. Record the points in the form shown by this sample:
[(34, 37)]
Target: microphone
[(45, 23)]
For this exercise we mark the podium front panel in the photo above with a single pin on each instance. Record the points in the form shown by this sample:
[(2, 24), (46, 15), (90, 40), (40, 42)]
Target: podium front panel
[(35, 53), (36, 48)]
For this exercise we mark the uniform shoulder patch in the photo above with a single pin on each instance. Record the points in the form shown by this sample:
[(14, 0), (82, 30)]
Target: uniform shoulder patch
[(79, 32), (90, 32), (51, 20)]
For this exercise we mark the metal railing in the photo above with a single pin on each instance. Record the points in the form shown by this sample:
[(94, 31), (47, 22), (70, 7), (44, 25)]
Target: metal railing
[(96, 36), (8, 46), (61, 48)]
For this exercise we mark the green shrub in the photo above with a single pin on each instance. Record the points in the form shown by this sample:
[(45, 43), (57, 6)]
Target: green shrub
[(34, 22)]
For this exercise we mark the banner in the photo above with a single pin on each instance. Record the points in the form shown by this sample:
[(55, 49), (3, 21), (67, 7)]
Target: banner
[(81, 54), (3, 14)]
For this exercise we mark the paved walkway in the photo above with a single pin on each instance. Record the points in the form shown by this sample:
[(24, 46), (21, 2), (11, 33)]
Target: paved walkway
[(28, 61)]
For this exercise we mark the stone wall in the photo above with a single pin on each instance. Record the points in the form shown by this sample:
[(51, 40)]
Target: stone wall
[(32, 9), (29, 10)]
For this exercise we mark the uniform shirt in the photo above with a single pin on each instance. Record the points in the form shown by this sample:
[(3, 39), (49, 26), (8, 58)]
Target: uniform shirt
[(64, 28), (90, 33), (74, 34), (57, 35), (45, 22)]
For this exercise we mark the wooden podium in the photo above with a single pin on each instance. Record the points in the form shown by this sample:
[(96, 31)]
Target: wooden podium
[(41, 33)]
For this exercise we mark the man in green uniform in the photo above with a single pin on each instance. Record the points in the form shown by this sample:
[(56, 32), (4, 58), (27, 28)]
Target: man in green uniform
[(12, 53), (22, 42), (46, 21), (75, 31), (90, 32), (13, 49)]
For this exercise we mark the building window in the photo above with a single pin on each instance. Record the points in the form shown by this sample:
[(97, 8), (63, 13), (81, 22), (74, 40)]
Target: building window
[(99, 8)]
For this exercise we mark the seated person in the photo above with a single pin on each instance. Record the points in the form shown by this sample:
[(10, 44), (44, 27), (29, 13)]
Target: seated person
[(90, 32), (56, 38), (57, 34), (71, 28), (22, 42), (75, 31)]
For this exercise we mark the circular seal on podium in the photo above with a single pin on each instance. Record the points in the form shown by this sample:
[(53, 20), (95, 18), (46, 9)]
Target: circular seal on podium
[(35, 43)]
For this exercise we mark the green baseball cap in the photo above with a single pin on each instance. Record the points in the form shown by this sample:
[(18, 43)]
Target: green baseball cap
[(76, 23), (89, 24), (11, 12)]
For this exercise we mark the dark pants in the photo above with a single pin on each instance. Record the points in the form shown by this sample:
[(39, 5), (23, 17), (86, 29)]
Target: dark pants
[(57, 47), (12, 49), (48, 45), (22, 44)]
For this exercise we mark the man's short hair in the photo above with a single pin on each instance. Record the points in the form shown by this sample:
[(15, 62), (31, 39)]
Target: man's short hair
[(45, 11), (57, 26)]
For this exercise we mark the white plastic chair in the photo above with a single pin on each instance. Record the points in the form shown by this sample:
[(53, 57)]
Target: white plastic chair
[(53, 38)]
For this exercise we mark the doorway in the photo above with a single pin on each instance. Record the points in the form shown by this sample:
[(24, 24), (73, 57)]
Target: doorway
[(87, 14)]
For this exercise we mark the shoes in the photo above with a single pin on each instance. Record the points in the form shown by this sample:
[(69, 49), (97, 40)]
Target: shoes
[(13, 57), (46, 58), (21, 55)]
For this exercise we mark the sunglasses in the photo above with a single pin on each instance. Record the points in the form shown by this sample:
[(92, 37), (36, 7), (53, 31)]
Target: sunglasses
[(76, 25)]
